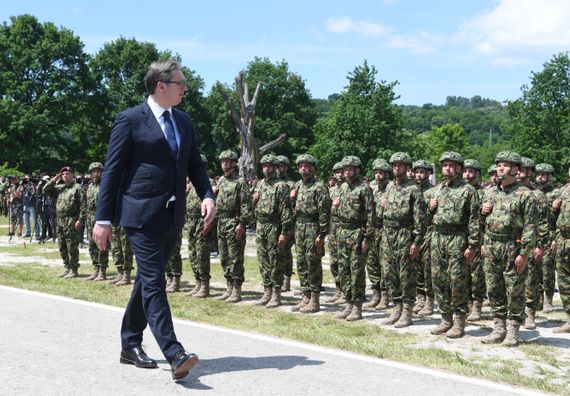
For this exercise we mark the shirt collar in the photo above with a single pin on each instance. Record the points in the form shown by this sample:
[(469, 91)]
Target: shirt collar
[(157, 109)]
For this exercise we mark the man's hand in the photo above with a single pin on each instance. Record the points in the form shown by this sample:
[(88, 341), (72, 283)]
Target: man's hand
[(281, 241), (77, 225), (320, 244), (433, 205), (538, 253), (364, 247), (102, 235), (336, 202), (255, 197), (487, 208), (482, 250), (556, 204), (553, 246), (208, 210), (293, 194), (520, 263), (414, 250), (207, 228), (240, 231), (469, 254)]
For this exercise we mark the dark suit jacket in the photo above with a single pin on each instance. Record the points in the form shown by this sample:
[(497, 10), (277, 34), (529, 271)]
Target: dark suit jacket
[(140, 172)]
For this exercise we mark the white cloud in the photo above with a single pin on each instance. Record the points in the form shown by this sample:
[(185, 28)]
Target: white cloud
[(346, 24), (422, 43)]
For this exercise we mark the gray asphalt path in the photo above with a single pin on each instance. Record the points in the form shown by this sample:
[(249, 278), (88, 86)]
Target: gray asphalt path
[(60, 346)]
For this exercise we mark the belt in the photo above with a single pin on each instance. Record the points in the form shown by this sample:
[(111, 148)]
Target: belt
[(349, 226), (396, 224), (170, 204), (306, 219), (226, 215), (500, 237), (451, 229)]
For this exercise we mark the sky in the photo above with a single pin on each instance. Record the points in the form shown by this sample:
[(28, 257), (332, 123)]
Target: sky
[(433, 49)]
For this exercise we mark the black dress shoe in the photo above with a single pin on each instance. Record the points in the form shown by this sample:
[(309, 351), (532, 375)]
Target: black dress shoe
[(138, 357), (182, 364)]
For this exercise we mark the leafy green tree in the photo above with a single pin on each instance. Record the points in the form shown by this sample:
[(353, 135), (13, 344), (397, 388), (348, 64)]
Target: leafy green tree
[(448, 137)]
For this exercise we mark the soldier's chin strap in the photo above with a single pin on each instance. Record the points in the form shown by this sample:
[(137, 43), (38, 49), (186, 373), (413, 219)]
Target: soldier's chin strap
[(509, 173)]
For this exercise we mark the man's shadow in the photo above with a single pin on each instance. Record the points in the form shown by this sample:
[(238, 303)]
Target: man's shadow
[(239, 363)]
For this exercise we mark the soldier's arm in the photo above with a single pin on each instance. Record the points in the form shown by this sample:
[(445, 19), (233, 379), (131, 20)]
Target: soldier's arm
[(419, 216), (369, 214), (285, 211), (530, 217), (246, 205), (82, 205), (474, 238), (324, 206)]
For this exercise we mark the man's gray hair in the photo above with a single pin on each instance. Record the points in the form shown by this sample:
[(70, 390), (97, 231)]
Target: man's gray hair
[(160, 70)]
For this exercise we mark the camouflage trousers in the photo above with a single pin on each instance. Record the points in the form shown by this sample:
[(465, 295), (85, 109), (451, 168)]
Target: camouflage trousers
[(99, 258), (309, 265), (374, 262), (532, 283), (351, 265), (16, 213), (477, 287), (68, 239), (286, 257), (398, 266), (422, 264), (449, 271), (231, 251), (333, 251), (548, 272), (563, 269), (121, 250), (268, 254), (505, 287), (174, 264)]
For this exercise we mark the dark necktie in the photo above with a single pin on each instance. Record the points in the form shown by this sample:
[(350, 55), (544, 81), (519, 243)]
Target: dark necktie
[(169, 132)]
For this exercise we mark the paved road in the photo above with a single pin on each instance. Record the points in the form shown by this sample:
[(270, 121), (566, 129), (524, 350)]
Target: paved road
[(56, 345)]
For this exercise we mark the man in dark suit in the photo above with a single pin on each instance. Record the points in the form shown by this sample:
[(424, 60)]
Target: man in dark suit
[(152, 149)]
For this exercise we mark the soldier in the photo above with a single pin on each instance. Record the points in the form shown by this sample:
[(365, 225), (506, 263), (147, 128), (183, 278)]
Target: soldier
[(337, 297), (561, 247), (173, 268), (404, 224), (286, 255), (493, 178), (16, 208), (510, 216), (355, 208), (382, 171), (100, 258), (425, 296), (29, 207), (454, 206), (71, 212), (274, 217), (543, 180), (122, 256), (311, 201), (235, 213), (477, 288)]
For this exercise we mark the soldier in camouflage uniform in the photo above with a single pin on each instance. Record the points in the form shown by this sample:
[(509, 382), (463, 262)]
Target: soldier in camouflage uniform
[(16, 208), (311, 201), (454, 206), (510, 217), (477, 289), (100, 258), (561, 247), (71, 213), (274, 217), (235, 213), (337, 297), (382, 171), (286, 255), (173, 267), (425, 295), (122, 256), (404, 223), (544, 174), (355, 208)]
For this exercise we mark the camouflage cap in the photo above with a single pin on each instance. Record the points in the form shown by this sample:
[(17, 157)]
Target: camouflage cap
[(306, 158), (351, 160), (451, 156), (508, 156), (337, 166), (472, 163), (544, 168), (527, 163), (228, 154), (401, 157), (95, 165), (381, 164), (269, 159), (492, 169), (422, 164), (283, 160)]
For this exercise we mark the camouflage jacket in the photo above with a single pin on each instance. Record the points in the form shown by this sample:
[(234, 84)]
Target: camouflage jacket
[(378, 193), (457, 208), (405, 208), (193, 203), (313, 204), (543, 237), (274, 204), (427, 191), (287, 180), (234, 199), (70, 199), (514, 215), (562, 216), (334, 193), (91, 197), (356, 206)]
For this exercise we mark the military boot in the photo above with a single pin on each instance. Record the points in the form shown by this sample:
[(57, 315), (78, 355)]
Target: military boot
[(498, 334), (458, 329), (304, 301), (420, 303), (196, 288), (64, 273), (275, 299), (383, 303), (512, 338), (427, 310), (102, 275), (337, 294), (565, 328), (375, 299), (529, 322), (125, 280), (347, 310), (475, 312), (266, 296), (548, 307), (406, 317), (93, 275), (117, 277), (227, 293), (235, 297), (395, 316), (204, 291), (314, 304), (445, 325), (168, 281), (73, 273), (356, 312), (286, 284), (174, 285)]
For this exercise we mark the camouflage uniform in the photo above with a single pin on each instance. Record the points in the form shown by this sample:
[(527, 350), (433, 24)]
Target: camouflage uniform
[(100, 258), (285, 254), (174, 265), (122, 256), (16, 207), (333, 238)]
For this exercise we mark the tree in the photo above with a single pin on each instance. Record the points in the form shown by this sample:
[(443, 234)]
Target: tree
[(448, 137)]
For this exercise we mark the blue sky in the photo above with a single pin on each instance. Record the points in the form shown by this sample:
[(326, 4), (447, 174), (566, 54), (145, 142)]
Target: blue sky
[(432, 48)]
